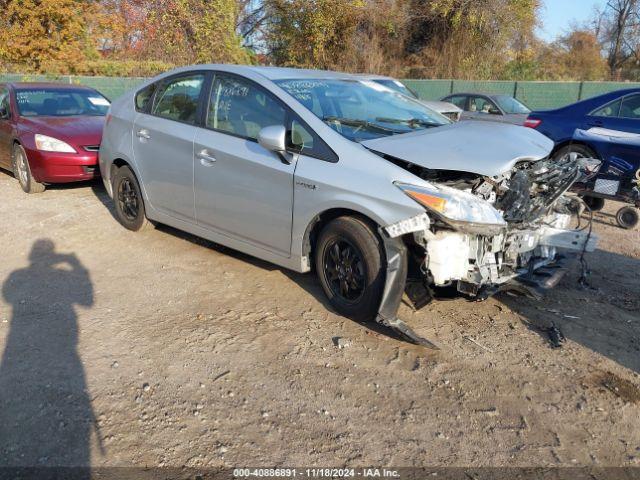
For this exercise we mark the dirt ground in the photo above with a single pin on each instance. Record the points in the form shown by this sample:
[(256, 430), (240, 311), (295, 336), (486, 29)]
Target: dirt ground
[(161, 349)]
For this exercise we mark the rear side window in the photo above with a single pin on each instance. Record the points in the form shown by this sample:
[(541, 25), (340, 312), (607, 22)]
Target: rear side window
[(144, 96), (177, 98), (609, 110)]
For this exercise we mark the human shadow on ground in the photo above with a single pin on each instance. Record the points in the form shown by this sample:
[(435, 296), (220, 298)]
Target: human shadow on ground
[(46, 418)]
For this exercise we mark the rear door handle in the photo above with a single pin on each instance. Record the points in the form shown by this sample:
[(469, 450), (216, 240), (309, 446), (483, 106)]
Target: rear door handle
[(206, 159), (143, 134)]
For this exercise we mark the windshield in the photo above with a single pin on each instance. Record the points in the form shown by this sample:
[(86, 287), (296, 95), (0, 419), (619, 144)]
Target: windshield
[(397, 86), (362, 110), (511, 105), (60, 102)]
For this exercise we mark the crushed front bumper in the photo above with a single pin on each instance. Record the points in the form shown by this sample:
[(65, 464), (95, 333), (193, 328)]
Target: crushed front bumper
[(526, 260)]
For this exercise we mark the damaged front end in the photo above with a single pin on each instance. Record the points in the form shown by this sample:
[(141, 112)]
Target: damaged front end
[(481, 235)]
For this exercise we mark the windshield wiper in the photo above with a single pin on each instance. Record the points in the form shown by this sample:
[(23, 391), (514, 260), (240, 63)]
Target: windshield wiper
[(412, 122), (354, 122)]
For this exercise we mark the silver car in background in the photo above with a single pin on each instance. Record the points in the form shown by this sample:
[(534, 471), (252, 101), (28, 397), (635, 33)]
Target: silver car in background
[(490, 107), (327, 171), (449, 110)]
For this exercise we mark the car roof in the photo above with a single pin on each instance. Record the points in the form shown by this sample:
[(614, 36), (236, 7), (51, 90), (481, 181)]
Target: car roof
[(271, 73), (482, 94), (32, 85)]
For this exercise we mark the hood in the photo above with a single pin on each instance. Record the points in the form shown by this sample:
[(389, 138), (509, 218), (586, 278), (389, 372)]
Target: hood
[(485, 148), (441, 107), (75, 130)]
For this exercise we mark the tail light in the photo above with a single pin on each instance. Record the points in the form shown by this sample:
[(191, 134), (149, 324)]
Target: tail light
[(108, 119), (532, 122)]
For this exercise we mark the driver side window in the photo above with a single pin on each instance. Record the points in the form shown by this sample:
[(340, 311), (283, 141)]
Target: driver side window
[(241, 108), (482, 105)]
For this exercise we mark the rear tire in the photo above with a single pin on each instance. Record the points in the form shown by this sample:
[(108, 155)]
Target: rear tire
[(628, 217), (350, 261), (581, 150), (22, 171), (127, 196)]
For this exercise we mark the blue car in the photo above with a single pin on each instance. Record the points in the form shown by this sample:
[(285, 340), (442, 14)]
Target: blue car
[(606, 127)]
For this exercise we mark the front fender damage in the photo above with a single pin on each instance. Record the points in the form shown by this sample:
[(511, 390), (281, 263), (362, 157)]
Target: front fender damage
[(396, 279)]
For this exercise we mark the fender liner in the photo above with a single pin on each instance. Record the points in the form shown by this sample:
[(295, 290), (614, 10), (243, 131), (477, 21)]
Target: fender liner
[(396, 279)]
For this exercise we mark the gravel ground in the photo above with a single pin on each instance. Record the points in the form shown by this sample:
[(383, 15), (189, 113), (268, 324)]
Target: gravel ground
[(161, 349)]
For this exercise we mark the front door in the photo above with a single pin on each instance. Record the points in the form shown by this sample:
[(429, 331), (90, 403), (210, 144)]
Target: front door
[(163, 145), (241, 189), (5, 129)]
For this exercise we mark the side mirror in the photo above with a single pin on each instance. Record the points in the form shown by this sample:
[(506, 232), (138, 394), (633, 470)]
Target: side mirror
[(4, 113), (494, 111), (273, 138)]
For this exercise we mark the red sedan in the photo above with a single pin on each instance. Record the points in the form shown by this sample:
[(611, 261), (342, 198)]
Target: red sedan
[(50, 132)]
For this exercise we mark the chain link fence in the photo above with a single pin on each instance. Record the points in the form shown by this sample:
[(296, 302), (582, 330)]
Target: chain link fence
[(536, 95)]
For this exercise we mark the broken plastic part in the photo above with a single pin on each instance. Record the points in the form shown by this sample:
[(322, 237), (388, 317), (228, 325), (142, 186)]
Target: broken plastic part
[(397, 268), (414, 224)]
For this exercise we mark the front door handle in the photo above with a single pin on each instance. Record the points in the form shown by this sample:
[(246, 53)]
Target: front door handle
[(206, 159), (143, 134)]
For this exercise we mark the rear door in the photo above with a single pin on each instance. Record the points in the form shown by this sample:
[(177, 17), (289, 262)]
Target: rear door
[(241, 189), (5, 128), (163, 143)]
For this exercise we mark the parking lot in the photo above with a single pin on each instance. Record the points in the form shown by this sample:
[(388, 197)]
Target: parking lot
[(159, 348)]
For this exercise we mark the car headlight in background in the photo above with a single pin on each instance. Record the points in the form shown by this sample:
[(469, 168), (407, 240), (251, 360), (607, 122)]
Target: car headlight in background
[(456, 207), (50, 144)]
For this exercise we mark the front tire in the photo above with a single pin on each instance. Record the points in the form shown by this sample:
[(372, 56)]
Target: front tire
[(127, 196), (22, 171), (350, 261)]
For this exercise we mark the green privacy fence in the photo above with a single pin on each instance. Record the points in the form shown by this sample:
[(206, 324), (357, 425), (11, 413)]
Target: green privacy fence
[(537, 95)]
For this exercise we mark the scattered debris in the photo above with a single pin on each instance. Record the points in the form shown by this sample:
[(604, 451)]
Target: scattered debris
[(478, 344), (556, 336), (341, 342)]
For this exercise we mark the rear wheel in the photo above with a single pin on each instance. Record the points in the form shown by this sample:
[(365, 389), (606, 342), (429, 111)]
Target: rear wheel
[(128, 199), (627, 217), (22, 171), (349, 261)]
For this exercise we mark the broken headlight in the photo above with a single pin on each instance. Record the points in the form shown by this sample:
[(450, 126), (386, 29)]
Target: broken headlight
[(455, 207)]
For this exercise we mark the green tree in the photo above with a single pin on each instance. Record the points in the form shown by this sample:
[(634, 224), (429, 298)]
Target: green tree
[(192, 31), (45, 35)]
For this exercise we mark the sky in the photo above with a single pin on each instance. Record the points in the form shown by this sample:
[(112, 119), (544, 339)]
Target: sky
[(558, 15)]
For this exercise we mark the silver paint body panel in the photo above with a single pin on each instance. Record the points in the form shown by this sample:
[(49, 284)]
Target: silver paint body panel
[(251, 201)]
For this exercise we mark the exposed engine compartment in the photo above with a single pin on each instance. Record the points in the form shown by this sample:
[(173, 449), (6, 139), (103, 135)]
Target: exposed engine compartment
[(524, 195), (526, 254)]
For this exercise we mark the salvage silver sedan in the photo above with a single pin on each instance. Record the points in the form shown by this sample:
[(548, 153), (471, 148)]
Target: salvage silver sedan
[(327, 171)]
